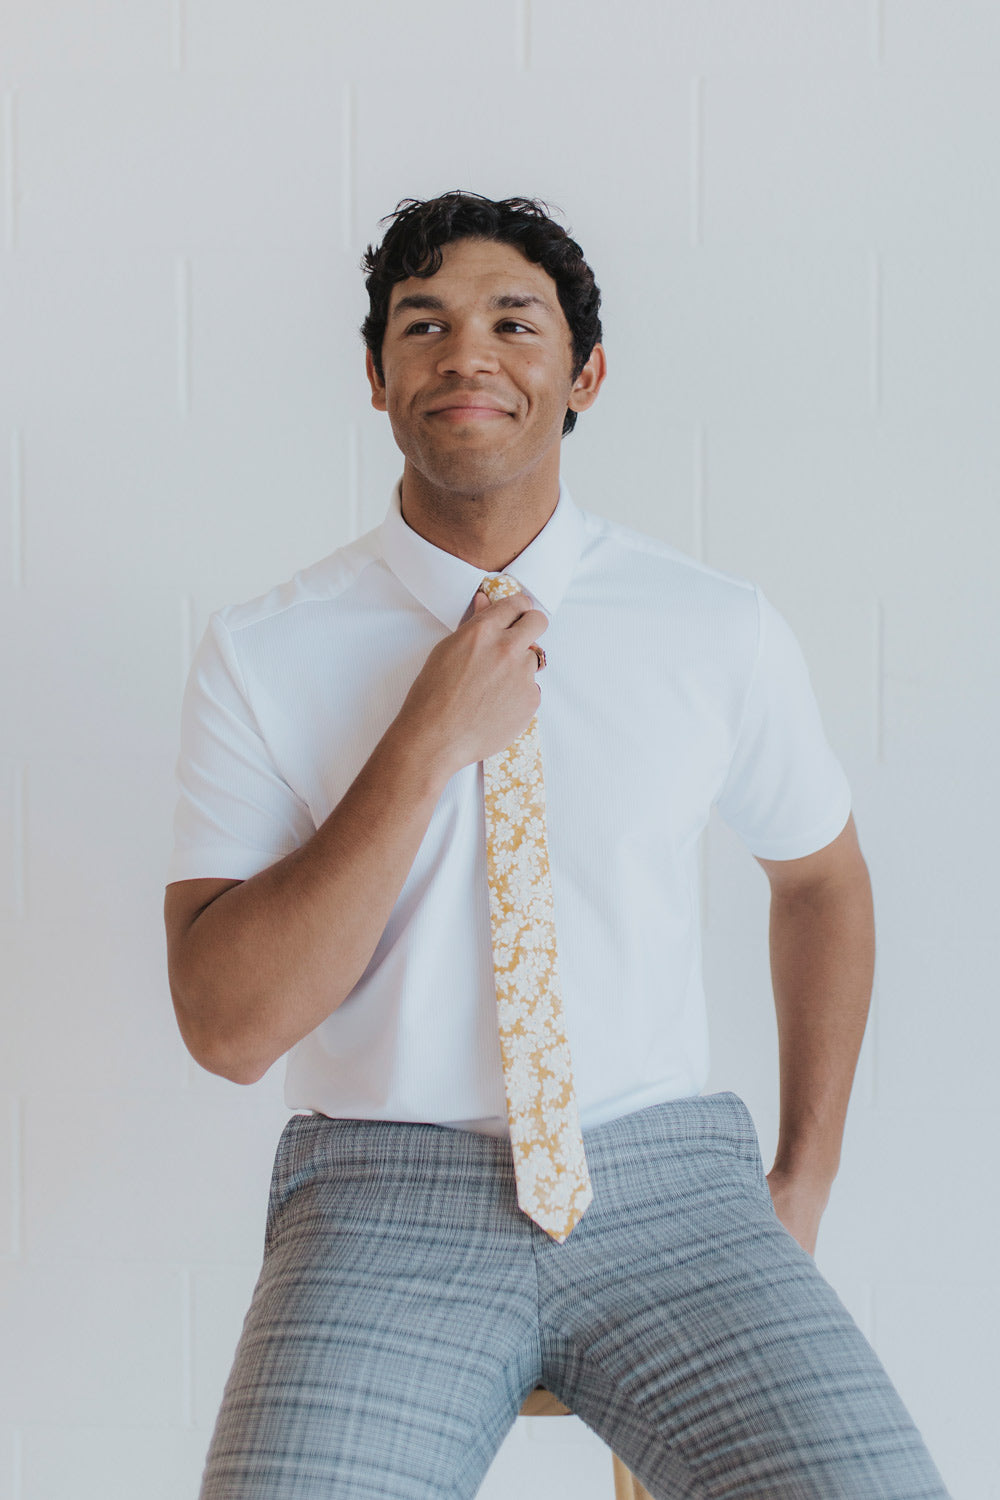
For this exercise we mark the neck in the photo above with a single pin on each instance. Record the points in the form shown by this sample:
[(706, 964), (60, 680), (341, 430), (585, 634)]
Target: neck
[(485, 527)]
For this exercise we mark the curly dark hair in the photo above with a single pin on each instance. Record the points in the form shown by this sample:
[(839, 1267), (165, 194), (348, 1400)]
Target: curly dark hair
[(412, 247)]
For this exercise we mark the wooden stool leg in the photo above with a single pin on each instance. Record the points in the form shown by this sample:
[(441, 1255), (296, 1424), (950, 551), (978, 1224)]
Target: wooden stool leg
[(627, 1487), (623, 1479)]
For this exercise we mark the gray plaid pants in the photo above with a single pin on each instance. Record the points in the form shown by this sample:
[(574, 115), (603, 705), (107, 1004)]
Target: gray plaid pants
[(406, 1307)]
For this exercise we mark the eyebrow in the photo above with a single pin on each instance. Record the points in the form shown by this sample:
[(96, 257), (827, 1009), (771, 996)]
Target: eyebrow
[(425, 302)]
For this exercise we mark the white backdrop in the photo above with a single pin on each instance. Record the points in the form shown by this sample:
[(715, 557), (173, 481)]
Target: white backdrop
[(791, 209)]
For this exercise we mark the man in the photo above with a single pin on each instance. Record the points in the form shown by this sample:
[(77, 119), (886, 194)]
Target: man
[(328, 897)]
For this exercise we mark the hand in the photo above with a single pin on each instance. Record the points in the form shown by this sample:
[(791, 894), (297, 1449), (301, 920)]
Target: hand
[(476, 692), (799, 1201)]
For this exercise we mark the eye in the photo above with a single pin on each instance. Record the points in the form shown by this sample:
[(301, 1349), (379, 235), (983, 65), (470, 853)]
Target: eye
[(426, 323), (513, 323)]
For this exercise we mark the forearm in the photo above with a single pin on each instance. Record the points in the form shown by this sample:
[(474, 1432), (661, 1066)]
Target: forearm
[(822, 962), (273, 956)]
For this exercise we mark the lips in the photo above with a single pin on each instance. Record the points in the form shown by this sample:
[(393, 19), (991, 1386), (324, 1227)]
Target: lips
[(465, 416), (470, 404)]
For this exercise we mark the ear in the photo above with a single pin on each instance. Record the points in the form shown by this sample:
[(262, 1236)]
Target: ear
[(378, 386), (589, 380)]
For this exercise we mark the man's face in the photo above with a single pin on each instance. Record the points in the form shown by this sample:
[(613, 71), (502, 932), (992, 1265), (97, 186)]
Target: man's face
[(477, 363)]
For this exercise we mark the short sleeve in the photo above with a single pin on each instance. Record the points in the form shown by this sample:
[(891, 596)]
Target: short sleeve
[(786, 794), (236, 815)]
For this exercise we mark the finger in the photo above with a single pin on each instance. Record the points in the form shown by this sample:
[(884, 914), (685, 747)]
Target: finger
[(510, 609), (520, 597), (513, 612), (533, 622)]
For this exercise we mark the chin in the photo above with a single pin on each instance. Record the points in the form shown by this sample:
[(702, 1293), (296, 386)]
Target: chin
[(464, 471)]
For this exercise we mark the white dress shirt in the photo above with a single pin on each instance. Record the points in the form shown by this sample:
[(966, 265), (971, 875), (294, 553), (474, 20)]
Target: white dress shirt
[(670, 687)]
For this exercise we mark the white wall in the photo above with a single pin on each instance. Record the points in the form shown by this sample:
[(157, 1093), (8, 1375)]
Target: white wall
[(791, 208)]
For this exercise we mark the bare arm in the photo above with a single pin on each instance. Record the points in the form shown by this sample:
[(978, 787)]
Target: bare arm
[(822, 962), (256, 965)]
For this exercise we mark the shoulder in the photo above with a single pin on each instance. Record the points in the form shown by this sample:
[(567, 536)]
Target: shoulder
[(653, 574), (624, 544), (331, 579)]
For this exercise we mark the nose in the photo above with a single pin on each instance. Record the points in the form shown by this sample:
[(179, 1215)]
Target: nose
[(467, 351)]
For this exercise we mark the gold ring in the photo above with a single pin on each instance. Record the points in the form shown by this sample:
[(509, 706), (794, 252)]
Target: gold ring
[(541, 657)]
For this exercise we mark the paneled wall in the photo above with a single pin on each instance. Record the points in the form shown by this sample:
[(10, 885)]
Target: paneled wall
[(791, 207)]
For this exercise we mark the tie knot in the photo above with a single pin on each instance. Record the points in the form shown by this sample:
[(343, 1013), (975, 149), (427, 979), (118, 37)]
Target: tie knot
[(499, 586)]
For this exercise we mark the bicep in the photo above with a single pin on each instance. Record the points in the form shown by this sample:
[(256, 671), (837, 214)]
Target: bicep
[(839, 862), (183, 903)]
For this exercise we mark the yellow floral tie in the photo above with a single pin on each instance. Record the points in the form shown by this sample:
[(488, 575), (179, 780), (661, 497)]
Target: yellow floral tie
[(550, 1168)]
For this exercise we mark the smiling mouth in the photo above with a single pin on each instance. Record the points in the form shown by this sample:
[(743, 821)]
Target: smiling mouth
[(468, 413)]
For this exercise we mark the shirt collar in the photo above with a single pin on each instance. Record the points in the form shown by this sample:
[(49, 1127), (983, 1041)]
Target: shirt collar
[(445, 584)]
